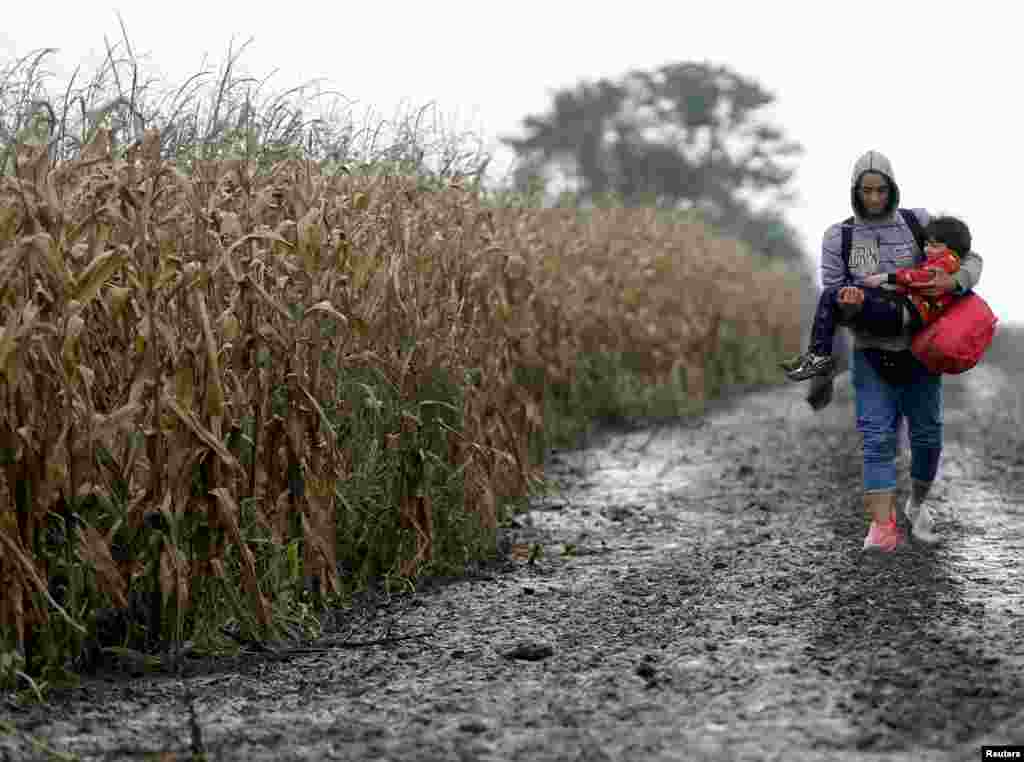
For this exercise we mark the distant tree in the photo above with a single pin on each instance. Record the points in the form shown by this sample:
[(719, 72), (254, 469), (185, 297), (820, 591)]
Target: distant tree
[(687, 135)]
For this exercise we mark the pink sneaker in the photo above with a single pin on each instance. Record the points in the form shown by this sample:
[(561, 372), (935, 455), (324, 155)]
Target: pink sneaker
[(885, 537)]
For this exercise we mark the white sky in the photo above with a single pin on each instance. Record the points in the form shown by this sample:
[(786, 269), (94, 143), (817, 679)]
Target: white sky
[(934, 85)]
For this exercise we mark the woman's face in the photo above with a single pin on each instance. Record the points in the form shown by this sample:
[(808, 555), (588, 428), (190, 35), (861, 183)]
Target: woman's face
[(874, 193)]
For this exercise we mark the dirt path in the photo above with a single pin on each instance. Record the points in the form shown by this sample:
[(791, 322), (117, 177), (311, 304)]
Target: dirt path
[(714, 603)]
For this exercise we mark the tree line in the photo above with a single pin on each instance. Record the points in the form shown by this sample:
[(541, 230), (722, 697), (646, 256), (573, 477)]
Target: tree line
[(685, 136)]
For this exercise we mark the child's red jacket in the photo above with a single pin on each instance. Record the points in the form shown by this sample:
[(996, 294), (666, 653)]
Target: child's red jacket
[(928, 307)]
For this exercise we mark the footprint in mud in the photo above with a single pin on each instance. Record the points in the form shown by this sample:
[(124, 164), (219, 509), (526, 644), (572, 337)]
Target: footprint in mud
[(923, 644), (914, 650), (730, 613)]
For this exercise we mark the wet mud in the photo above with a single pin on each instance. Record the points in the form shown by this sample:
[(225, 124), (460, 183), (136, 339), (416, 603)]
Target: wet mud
[(701, 594)]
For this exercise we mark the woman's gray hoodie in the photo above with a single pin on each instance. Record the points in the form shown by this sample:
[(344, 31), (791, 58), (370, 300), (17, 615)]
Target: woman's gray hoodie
[(881, 244)]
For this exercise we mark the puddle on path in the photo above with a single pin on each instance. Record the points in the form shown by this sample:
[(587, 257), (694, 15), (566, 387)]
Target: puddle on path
[(690, 515), (984, 541), (670, 474), (985, 522), (673, 469)]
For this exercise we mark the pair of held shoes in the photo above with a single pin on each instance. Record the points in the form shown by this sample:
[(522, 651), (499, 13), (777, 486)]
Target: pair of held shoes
[(887, 536), (806, 365)]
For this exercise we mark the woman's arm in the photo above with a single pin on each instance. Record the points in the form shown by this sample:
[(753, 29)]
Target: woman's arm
[(832, 268)]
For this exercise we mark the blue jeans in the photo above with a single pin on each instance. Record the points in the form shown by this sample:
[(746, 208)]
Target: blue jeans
[(881, 407)]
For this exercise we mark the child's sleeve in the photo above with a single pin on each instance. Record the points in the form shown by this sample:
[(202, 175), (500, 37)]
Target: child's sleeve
[(907, 275), (922, 274), (969, 274)]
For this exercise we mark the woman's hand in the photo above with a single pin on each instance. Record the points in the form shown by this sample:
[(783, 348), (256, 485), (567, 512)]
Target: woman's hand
[(876, 280), (941, 283)]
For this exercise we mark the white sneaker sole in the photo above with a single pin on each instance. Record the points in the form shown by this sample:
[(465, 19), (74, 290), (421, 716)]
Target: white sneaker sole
[(923, 531), (910, 511), (924, 534)]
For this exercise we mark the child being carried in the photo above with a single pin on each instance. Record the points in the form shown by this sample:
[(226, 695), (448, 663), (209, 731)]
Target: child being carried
[(894, 311)]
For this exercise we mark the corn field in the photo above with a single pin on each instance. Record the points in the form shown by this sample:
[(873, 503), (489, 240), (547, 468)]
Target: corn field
[(225, 388)]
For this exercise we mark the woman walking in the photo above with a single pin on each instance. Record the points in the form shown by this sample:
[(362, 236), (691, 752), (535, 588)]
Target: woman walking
[(890, 384)]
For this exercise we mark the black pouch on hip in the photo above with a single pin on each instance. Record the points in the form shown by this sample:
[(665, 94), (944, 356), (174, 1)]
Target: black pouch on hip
[(897, 368)]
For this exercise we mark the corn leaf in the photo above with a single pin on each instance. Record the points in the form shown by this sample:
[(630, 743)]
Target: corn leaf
[(205, 435), (96, 275), (95, 551)]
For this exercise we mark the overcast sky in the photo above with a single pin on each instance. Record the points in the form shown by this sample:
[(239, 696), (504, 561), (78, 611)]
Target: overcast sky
[(933, 85)]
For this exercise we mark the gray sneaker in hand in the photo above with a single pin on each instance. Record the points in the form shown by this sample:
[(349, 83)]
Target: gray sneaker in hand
[(810, 365)]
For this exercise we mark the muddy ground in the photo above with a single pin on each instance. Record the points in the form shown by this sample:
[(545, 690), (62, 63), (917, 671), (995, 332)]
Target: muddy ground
[(702, 595)]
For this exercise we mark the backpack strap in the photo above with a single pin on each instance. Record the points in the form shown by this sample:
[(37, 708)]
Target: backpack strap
[(846, 242), (915, 227)]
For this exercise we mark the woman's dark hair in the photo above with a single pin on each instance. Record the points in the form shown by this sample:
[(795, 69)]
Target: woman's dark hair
[(950, 231)]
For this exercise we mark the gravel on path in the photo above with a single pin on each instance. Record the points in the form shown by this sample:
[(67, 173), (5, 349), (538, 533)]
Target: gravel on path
[(701, 595)]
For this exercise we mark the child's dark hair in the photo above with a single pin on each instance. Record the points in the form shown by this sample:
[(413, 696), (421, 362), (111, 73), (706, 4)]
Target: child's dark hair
[(950, 231)]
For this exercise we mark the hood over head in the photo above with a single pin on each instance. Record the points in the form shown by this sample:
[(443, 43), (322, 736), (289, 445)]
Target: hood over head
[(873, 161)]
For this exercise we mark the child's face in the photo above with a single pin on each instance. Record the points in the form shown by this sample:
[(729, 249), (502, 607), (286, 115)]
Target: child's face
[(933, 248)]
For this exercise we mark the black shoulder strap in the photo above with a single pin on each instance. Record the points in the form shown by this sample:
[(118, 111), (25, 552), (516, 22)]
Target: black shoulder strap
[(915, 227), (846, 241)]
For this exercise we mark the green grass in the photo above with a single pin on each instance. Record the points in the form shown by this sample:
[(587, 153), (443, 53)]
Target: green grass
[(218, 113), (610, 390), (215, 114)]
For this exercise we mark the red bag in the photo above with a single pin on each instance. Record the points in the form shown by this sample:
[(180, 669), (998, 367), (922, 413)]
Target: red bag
[(958, 338)]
